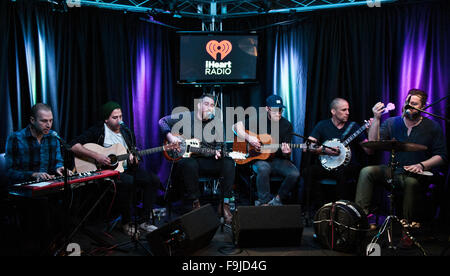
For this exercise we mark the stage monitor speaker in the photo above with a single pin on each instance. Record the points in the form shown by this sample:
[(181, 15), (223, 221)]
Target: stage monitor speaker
[(256, 226), (186, 234)]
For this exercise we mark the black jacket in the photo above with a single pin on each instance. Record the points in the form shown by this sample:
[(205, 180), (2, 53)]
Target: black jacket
[(96, 134)]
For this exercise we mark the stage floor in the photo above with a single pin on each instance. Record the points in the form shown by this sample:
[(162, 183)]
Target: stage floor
[(94, 240), (432, 239)]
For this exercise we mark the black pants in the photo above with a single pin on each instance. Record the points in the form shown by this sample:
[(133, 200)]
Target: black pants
[(278, 166), (192, 168), (130, 182), (344, 176)]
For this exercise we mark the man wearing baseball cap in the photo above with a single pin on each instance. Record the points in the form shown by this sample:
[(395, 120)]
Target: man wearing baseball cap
[(280, 164)]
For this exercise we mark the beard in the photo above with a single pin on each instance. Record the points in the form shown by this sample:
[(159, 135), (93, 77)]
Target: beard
[(410, 115)]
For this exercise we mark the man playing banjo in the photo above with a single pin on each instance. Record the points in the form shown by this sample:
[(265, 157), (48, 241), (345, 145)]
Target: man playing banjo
[(331, 132)]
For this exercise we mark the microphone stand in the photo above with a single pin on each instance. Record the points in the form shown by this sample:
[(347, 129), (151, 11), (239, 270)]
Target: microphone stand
[(309, 141), (67, 191), (307, 203), (443, 98), (431, 114), (135, 238)]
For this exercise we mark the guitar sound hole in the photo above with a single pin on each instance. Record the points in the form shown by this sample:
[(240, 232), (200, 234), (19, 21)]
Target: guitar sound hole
[(113, 159)]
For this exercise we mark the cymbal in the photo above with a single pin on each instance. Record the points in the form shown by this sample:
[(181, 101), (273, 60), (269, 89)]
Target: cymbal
[(388, 145)]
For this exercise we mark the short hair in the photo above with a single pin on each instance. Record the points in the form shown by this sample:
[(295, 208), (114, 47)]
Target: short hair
[(37, 107), (419, 93), (207, 95), (335, 102)]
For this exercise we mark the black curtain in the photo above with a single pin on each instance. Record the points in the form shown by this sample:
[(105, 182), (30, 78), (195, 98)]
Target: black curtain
[(76, 61)]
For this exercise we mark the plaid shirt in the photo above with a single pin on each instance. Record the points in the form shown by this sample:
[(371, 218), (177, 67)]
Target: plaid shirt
[(25, 156)]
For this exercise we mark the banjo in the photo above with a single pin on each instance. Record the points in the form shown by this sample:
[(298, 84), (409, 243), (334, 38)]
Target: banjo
[(331, 162)]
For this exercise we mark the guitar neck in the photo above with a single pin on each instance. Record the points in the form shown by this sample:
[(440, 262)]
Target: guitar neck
[(203, 151), (277, 146), (141, 153), (355, 134)]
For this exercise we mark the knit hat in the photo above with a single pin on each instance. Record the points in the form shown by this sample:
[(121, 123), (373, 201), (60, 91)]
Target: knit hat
[(108, 108)]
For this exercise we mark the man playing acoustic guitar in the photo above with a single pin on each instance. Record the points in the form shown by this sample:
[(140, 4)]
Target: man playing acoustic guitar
[(106, 134), (280, 164)]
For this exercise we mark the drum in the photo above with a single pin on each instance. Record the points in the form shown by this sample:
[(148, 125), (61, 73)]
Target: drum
[(341, 226)]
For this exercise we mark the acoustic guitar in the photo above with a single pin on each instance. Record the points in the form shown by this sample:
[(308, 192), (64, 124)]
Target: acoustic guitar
[(117, 153), (266, 151)]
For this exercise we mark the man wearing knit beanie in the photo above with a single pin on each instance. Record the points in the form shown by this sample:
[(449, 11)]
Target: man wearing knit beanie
[(106, 134)]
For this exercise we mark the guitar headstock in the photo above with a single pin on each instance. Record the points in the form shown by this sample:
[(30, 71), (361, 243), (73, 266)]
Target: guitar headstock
[(235, 155)]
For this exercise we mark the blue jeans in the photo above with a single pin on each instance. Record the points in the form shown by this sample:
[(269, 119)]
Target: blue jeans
[(277, 166)]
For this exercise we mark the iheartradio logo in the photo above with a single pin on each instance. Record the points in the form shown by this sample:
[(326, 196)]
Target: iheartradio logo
[(213, 47)]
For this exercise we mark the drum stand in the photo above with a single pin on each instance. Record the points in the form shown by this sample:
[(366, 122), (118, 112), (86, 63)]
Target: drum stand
[(388, 222)]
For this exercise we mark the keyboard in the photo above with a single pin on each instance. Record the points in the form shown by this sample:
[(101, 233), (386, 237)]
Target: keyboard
[(39, 188)]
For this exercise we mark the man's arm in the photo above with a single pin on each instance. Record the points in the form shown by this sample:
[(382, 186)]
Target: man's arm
[(239, 130), (374, 130), (11, 172), (434, 161), (14, 163), (80, 150), (165, 126), (89, 136)]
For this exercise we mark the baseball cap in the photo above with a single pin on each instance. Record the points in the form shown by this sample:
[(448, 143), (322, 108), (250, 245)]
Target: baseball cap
[(274, 101)]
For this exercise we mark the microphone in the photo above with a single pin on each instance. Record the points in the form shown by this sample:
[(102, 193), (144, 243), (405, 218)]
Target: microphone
[(133, 141), (407, 107), (61, 140), (122, 124), (211, 115)]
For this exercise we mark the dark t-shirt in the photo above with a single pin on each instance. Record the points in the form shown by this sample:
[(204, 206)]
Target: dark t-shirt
[(326, 130), (193, 128), (427, 133), (285, 130)]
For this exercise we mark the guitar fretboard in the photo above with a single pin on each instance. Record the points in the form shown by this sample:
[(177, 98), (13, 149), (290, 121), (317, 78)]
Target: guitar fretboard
[(141, 153), (204, 151), (355, 134), (277, 146)]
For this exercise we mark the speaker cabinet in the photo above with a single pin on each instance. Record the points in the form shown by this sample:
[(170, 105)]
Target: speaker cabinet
[(186, 234), (256, 226)]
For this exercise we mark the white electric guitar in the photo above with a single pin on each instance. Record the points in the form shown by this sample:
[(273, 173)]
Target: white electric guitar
[(188, 147), (333, 162)]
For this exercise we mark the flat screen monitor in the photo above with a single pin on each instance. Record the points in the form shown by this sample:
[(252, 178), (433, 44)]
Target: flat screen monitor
[(218, 58)]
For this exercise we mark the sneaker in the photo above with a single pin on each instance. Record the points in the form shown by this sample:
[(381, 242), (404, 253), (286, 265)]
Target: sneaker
[(275, 202), (147, 227)]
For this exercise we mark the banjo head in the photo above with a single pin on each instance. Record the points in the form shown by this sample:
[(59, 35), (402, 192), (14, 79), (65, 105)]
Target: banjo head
[(330, 162)]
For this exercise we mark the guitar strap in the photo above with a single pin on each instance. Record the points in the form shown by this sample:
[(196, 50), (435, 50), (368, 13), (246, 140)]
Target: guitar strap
[(350, 126)]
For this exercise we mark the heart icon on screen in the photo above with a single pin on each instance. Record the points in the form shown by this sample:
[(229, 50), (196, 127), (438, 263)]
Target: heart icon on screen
[(213, 47)]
